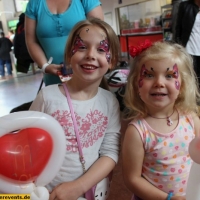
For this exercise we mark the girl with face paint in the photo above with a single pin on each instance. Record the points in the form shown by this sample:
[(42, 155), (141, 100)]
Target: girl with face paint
[(91, 50), (161, 100)]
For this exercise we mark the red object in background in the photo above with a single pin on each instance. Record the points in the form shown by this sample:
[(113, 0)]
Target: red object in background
[(24, 154), (134, 40)]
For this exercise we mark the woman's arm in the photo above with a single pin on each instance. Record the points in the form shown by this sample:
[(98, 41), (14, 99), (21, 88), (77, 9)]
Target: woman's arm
[(74, 189), (96, 12), (132, 160), (35, 49)]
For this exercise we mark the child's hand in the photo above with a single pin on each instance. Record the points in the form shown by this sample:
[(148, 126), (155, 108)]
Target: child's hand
[(70, 191)]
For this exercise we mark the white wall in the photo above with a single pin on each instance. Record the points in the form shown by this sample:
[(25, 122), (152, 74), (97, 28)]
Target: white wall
[(7, 12)]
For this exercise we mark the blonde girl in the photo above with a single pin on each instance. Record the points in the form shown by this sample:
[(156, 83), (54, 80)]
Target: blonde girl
[(161, 99)]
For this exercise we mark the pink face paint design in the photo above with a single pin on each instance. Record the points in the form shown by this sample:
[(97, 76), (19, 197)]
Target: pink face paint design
[(177, 85), (77, 44), (143, 72), (175, 71), (176, 75), (105, 46)]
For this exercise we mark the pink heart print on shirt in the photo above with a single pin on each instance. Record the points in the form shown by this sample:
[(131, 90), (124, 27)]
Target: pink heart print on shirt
[(91, 128)]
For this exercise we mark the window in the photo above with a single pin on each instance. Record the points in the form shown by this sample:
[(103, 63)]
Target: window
[(141, 17)]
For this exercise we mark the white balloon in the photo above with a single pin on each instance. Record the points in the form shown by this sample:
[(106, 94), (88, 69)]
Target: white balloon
[(40, 193), (33, 119), (13, 188)]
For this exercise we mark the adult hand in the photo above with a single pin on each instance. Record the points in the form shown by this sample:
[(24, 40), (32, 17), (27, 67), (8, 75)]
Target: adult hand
[(53, 69), (67, 191)]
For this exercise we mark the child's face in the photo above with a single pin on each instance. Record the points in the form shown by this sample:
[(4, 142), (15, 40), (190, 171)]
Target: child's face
[(159, 83), (91, 56)]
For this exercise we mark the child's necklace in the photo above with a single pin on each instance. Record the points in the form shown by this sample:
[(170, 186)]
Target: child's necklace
[(169, 120)]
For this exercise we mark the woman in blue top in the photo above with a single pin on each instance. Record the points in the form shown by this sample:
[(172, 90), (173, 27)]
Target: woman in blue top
[(47, 26)]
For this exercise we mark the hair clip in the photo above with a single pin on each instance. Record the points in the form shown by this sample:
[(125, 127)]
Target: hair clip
[(136, 50)]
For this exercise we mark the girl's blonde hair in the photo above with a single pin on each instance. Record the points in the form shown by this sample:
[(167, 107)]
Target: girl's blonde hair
[(111, 37), (189, 96)]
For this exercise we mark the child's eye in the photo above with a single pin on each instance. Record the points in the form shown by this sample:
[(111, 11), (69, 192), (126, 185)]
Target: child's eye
[(169, 76), (100, 50), (82, 47), (148, 75)]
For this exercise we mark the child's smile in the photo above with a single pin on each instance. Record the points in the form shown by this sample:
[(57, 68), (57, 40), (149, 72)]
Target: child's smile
[(159, 83), (91, 54)]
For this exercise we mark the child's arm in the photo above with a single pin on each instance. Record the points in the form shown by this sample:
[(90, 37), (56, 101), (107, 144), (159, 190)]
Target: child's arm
[(74, 189), (108, 151), (132, 160)]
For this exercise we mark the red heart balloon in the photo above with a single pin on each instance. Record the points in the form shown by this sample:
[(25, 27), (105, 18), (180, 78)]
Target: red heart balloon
[(24, 154)]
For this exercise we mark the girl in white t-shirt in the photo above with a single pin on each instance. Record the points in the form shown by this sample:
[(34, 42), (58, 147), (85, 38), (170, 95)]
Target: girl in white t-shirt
[(91, 50)]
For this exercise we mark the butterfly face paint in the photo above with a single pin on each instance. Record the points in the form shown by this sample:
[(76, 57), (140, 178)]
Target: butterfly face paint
[(143, 72), (103, 44), (175, 74), (77, 44)]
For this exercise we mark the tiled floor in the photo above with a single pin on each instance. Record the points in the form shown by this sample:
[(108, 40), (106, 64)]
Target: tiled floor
[(16, 91), (19, 90)]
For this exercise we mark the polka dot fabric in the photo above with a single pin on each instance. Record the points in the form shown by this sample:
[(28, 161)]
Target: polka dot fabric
[(167, 162)]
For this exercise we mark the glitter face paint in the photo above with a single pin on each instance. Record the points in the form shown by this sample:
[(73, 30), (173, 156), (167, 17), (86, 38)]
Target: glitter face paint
[(143, 72), (176, 75), (104, 45), (77, 44)]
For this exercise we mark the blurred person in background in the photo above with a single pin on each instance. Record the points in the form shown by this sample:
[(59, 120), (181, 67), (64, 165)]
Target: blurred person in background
[(24, 60), (187, 31), (11, 35), (5, 49), (175, 5)]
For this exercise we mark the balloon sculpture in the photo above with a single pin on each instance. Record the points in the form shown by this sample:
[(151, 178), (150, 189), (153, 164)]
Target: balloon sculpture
[(193, 186), (32, 149)]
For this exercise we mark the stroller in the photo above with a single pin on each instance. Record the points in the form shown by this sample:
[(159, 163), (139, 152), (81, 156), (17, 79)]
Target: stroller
[(117, 80)]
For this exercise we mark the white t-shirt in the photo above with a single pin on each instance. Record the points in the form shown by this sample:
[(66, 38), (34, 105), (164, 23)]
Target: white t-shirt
[(98, 121), (193, 44)]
